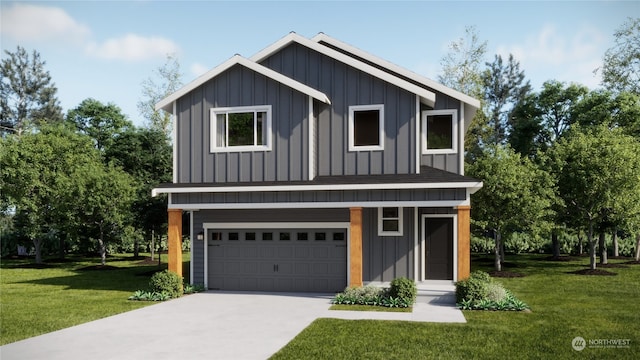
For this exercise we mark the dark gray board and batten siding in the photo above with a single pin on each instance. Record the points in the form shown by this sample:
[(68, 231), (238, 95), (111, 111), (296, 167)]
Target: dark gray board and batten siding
[(239, 86), (347, 86)]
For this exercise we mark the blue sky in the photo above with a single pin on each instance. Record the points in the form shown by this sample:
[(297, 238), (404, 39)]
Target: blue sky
[(105, 49)]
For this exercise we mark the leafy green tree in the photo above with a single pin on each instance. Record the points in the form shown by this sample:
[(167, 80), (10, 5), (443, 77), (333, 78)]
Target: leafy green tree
[(621, 68), (145, 154), (99, 121), (598, 175), (36, 172), (516, 195), (105, 195), (27, 94), (166, 80), (461, 65), (504, 87)]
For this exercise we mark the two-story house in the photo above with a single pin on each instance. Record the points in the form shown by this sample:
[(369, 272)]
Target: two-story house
[(314, 165)]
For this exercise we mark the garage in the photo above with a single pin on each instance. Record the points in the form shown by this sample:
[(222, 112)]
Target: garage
[(277, 259)]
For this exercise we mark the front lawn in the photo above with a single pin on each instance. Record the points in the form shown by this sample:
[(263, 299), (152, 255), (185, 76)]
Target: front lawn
[(564, 306), (39, 299)]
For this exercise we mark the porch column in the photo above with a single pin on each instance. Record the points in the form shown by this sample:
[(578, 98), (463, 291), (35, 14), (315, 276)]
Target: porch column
[(355, 253), (464, 241), (175, 241)]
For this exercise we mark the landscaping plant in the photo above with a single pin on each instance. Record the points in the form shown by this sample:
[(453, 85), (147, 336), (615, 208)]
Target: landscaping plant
[(401, 294), (481, 292)]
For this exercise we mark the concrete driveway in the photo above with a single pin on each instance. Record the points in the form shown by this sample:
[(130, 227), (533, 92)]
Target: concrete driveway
[(210, 325)]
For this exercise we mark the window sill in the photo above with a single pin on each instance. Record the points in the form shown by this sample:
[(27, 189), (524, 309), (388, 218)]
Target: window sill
[(438, 151), (240, 149), (365, 148)]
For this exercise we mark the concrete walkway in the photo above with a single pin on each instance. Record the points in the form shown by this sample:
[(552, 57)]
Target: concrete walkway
[(210, 325)]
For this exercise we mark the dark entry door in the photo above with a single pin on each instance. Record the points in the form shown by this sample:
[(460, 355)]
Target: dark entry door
[(438, 248)]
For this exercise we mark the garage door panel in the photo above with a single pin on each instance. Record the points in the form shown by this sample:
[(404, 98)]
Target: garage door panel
[(288, 260)]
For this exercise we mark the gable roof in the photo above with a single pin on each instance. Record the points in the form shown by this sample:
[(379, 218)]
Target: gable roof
[(471, 104), (166, 103), (426, 96)]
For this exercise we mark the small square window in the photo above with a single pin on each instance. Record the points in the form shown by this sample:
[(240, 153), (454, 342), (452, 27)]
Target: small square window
[(267, 236), (216, 236), (303, 236), (234, 236), (439, 131), (320, 236), (389, 221), (338, 236), (250, 236), (366, 127), (285, 236)]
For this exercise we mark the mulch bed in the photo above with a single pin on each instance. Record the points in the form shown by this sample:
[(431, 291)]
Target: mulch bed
[(592, 272), (506, 274), (611, 266), (632, 262), (148, 261), (560, 258)]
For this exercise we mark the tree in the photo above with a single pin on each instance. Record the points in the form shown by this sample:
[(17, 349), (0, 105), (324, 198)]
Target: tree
[(99, 121), (598, 174), (146, 155), (621, 63), (461, 65), (27, 95), (516, 195), (504, 87), (168, 80), (36, 172)]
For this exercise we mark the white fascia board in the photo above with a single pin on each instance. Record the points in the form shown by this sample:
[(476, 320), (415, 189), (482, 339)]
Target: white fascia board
[(474, 186), (427, 96), (165, 104), (318, 205), (321, 37)]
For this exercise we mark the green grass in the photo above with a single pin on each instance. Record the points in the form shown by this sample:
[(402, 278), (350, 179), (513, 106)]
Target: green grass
[(563, 306), (38, 300), (369, 308)]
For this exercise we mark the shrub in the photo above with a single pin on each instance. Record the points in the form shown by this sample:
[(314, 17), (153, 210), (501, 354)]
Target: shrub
[(404, 289), (166, 282), (496, 292), (474, 288), (192, 289)]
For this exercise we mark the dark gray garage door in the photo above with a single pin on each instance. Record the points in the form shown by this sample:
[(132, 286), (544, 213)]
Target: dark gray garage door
[(313, 260)]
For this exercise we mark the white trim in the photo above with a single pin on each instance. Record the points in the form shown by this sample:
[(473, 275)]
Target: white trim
[(258, 188), (454, 131), (418, 151), (192, 242), (416, 244), (312, 141), (400, 220), (461, 143), (174, 144), (318, 205), (321, 37), (239, 60), (427, 96), (455, 244), (267, 128), (205, 243), (351, 127)]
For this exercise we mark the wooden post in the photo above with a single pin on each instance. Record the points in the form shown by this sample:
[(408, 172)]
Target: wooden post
[(175, 241), (464, 242), (355, 253)]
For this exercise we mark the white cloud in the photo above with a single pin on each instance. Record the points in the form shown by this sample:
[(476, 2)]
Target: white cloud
[(132, 47), (198, 69), (24, 22), (552, 54)]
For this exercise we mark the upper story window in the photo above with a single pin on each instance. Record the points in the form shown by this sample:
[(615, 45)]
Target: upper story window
[(246, 128), (439, 131), (390, 221), (366, 127)]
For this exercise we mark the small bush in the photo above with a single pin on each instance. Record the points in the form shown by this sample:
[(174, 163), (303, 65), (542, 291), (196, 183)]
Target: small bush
[(474, 288), (496, 292), (166, 282), (192, 289), (404, 289)]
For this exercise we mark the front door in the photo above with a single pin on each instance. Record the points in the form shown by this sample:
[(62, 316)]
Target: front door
[(438, 241)]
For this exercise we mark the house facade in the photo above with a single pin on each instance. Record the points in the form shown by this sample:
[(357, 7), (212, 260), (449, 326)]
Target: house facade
[(314, 165)]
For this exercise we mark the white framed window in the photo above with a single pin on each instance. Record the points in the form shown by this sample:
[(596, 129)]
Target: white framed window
[(366, 127), (390, 221), (245, 128), (440, 131)]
